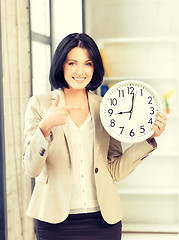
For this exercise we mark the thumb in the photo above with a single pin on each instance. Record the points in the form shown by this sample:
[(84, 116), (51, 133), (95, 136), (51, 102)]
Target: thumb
[(56, 101)]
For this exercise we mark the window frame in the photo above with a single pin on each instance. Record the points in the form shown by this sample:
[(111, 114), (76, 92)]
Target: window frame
[(3, 198)]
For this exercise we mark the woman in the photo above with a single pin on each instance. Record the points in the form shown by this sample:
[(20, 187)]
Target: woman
[(75, 162)]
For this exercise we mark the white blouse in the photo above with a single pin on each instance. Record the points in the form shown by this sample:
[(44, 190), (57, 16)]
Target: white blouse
[(84, 198)]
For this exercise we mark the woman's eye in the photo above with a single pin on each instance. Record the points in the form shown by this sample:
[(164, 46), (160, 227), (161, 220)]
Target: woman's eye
[(89, 64), (71, 63)]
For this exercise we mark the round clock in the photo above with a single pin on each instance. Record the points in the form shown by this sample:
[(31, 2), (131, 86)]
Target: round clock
[(128, 111)]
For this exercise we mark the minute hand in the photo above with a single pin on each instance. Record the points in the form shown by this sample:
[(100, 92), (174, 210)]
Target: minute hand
[(133, 97)]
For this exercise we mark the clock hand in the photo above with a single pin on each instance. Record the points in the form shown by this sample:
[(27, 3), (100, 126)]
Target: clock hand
[(132, 102), (123, 112), (131, 111)]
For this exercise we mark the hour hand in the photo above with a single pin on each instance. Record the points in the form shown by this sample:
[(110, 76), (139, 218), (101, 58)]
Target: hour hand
[(123, 112)]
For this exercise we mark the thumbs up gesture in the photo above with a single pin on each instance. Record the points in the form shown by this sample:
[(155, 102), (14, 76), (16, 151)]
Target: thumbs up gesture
[(56, 116)]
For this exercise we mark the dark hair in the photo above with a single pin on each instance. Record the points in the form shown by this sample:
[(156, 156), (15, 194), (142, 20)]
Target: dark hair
[(71, 41)]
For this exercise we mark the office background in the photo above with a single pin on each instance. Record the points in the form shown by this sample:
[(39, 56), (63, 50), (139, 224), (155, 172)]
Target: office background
[(140, 40)]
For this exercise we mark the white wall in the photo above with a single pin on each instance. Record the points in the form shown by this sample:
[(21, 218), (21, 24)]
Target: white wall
[(129, 18), (66, 19)]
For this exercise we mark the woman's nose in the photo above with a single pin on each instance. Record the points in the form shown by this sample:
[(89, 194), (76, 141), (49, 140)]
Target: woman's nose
[(80, 70)]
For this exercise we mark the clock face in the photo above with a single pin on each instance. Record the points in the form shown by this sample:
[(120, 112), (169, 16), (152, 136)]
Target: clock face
[(128, 111)]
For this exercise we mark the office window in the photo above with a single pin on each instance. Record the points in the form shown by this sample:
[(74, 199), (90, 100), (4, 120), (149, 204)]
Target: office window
[(40, 45), (40, 17)]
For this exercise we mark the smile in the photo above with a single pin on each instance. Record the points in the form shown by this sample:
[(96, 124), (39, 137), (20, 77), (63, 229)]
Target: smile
[(77, 79)]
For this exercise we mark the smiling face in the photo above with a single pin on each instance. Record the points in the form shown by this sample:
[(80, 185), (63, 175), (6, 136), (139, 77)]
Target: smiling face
[(78, 68)]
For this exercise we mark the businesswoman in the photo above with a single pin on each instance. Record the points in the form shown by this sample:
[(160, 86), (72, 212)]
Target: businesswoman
[(73, 159)]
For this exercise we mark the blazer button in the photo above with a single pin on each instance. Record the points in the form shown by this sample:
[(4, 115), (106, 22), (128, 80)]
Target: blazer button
[(42, 151), (96, 170)]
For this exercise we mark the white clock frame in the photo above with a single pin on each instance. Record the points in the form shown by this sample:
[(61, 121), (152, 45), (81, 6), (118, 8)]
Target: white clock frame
[(120, 88)]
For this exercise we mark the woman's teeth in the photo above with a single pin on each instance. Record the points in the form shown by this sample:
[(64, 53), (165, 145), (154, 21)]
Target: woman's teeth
[(79, 79)]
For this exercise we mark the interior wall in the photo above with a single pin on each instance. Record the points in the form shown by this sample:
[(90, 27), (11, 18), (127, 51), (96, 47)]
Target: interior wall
[(131, 18)]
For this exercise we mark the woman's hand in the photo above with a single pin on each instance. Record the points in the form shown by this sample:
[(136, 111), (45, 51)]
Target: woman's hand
[(159, 125), (55, 116)]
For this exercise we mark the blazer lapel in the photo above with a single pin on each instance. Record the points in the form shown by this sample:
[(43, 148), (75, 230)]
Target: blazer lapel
[(94, 104), (65, 127)]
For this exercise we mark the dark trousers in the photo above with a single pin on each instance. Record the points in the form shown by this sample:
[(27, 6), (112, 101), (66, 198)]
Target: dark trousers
[(90, 226)]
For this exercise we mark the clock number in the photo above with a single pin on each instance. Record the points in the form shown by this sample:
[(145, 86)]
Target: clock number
[(152, 110), (150, 100), (110, 111), (150, 121), (112, 123), (121, 93), (113, 101), (122, 129), (130, 90), (142, 129), (141, 92), (132, 133)]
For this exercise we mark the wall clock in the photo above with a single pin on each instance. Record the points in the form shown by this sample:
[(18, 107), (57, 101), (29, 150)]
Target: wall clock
[(128, 110)]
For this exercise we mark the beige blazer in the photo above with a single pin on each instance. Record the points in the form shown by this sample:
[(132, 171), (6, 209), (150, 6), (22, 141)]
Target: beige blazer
[(50, 163)]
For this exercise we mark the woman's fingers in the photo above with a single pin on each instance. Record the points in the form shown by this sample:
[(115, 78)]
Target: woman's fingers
[(67, 110), (160, 123), (55, 104), (59, 114), (72, 108)]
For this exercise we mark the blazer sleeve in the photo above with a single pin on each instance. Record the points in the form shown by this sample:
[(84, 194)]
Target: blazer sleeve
[(35, 145), (122, 164)]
